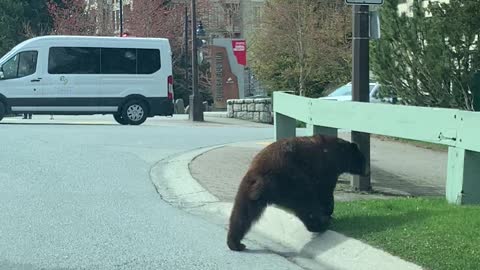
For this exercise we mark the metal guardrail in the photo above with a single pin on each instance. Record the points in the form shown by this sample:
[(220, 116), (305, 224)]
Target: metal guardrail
[(457, 129)]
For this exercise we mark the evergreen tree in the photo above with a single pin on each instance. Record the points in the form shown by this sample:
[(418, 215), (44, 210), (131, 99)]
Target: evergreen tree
[(430, 58), (11, 18), (22, 19)]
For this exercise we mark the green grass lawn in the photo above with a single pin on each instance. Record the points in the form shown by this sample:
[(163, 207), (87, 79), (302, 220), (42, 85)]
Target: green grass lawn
[(428, 232)]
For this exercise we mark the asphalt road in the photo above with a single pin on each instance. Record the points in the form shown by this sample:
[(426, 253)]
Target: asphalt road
[(80, 197)]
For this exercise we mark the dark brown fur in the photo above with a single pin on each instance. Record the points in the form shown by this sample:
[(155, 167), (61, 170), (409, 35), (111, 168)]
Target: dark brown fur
[(299, 174)]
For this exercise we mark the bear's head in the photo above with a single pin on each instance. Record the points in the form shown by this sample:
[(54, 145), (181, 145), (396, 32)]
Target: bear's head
[(354, 161), (317, 222)]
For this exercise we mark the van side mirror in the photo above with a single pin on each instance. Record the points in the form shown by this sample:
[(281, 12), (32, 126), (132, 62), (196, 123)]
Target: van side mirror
[(1, 74)]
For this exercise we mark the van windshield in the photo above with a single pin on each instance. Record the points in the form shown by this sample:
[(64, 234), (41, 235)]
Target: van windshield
[(346, 90), (20, 65), (10, 68)]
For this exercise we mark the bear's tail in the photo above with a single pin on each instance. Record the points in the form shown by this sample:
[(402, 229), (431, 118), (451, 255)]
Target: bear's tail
[(256, 186)]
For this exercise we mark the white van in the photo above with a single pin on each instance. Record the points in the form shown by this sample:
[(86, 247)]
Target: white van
[(130, 78)]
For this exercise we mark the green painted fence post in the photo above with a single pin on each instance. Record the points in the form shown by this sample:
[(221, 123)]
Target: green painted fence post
[(284, 126), (463, 176), (314, 130)]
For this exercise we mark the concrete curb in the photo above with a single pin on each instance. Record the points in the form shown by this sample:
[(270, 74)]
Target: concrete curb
[(222, 114), (284, 233), (176, 186)]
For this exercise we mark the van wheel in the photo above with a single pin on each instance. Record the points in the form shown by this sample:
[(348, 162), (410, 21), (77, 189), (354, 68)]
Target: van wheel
[(2, 110), (134, 112), (118, 117)]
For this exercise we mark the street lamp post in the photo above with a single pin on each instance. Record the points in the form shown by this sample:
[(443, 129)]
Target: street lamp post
[(196, 110), (121, 17), (186, 48), (360, 83)]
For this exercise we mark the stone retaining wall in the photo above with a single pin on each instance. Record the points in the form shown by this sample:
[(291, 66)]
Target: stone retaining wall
[(257, 110)]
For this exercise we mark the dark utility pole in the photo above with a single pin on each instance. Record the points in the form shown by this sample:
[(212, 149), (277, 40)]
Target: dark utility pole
[(361, 80), (196, 111), (186, 49), (121, 17)]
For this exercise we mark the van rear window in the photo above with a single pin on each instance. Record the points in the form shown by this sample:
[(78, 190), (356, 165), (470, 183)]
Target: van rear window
[(148, 61), (119, 61), (88, 60)]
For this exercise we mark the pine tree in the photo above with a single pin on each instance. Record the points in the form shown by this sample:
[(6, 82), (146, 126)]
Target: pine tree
[(428, 59), (11, 15), (22, 19)]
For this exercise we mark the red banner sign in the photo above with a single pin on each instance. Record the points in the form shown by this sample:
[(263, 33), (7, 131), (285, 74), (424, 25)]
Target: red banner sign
[(240, 51)]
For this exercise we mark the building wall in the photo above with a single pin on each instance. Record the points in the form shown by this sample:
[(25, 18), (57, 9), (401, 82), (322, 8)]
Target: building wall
[(251, 15), (231, 73), (257, 110), (224, 82), (233, 18), (406, 6), (237, 70), (127, 5), (222, 18), (108, 18)]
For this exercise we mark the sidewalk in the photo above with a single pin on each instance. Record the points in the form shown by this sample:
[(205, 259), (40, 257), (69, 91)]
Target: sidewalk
[(397, 168)]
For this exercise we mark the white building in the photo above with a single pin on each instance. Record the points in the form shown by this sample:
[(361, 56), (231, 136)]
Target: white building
[(223, 18), (406, 6), (127, 6)]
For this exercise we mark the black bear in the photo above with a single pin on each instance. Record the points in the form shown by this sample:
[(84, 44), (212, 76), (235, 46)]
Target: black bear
[(298, 174)]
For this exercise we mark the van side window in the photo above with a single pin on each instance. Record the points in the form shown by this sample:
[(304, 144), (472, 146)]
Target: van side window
[(130, 61), (119, 61), (20, 65), (89, 60), (74, 60)]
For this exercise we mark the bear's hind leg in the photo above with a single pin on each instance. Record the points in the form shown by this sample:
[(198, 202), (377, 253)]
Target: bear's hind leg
[(245, 212)]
